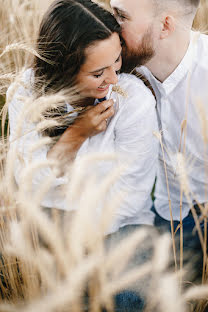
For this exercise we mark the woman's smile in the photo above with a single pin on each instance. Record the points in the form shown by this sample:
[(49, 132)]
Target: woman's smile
[(104, 88)]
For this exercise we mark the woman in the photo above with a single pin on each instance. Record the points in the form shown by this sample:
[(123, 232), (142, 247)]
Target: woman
[(82, 43)]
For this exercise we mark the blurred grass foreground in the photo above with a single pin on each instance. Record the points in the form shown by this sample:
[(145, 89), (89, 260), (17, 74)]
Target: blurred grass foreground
[(50, 260)]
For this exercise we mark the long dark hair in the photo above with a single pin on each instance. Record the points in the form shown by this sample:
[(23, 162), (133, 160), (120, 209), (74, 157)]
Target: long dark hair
[(67, 29)]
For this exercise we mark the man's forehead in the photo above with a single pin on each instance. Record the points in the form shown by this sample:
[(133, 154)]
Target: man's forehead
[(117, 4), (131, 5)]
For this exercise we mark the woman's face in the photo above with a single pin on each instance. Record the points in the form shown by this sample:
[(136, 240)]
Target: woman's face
[(103, 60)]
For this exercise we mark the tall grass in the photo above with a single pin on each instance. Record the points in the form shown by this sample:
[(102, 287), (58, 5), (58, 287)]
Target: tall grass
[(49, 259), (201, 20)]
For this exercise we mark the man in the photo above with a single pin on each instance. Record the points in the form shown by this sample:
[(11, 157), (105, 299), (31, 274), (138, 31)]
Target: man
[(158, 36)]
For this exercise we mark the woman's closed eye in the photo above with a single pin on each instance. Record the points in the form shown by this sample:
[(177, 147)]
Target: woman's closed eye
[(98, 75), (118, 59)]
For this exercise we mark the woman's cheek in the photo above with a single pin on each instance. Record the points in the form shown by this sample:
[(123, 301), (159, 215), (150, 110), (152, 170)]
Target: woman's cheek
[(98, 83), (91, 83)]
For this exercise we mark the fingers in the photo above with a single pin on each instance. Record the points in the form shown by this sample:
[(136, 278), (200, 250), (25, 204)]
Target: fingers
[(103, 106), (108, 113), (94, 120), (102, 126), (106, 110)]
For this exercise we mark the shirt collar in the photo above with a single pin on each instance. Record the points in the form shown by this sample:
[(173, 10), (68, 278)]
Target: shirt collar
[(179, 73)]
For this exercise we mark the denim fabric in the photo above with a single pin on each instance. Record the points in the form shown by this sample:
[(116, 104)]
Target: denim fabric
[(133, 299), (189, 232), (130, 300)]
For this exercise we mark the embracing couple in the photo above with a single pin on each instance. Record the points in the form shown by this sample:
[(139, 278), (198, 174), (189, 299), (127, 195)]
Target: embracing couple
[(153, 118)]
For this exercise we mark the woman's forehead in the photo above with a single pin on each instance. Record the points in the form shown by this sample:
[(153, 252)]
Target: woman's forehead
[(103, 53)]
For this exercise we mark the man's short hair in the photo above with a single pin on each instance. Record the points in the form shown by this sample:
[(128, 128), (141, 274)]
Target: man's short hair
[(183, 2), (186, 4)]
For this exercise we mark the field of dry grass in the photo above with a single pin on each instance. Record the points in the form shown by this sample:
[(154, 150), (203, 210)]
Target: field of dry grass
[(47, 262)]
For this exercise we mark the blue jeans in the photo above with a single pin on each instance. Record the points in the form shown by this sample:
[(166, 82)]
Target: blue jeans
[(190, 237), (193, 252), (130, 301)]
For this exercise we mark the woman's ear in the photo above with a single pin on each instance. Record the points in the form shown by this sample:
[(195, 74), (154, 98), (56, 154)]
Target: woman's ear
[(168, 26)]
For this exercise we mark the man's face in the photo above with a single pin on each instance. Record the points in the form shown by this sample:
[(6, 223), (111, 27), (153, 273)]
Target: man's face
[(136, 19)]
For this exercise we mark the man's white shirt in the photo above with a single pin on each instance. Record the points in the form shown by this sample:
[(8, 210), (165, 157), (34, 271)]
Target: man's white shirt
[(179, 99)]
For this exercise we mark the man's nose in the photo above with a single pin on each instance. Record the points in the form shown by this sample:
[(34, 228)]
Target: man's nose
[(112, 77)]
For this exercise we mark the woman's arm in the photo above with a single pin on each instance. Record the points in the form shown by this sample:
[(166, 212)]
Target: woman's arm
[(88, 124), (31, 150)]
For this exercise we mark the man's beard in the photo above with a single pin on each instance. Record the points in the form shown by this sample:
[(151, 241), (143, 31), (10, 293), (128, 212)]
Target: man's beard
[(133, 58)]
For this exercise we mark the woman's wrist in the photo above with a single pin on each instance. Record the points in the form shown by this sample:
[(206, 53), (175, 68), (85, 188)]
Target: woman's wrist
[(73, 133), (67, 146)]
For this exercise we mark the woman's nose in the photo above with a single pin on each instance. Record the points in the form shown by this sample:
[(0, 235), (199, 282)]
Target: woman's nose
[(112, 77)]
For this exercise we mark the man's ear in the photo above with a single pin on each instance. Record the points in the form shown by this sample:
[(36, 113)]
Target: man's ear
[(167, 26)]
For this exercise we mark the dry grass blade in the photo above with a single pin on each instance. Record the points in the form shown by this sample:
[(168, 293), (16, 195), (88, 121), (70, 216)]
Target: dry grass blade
[(117, 264), (186, 189), (21, 46), (159, 136), (161, 255), (196, 293)]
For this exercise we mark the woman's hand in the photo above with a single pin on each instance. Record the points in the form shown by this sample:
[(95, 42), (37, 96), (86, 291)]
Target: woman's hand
[(89, 123), (94, 120)]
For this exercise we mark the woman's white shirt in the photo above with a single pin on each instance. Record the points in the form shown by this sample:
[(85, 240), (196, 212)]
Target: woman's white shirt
[(130, 135)]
